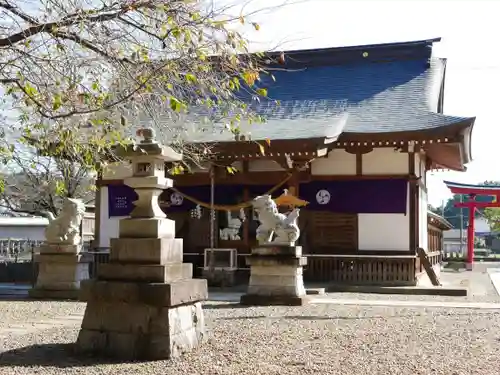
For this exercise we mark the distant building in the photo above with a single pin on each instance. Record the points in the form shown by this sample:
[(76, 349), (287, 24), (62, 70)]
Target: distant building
[(23, 228), (452, 236), (33, 228)]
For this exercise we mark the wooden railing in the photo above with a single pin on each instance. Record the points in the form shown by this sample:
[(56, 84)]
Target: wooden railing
[(435, 258), (12, 249), (361, 269), (99, 256)]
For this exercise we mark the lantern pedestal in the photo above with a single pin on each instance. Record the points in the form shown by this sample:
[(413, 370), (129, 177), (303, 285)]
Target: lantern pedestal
[(276, 276)]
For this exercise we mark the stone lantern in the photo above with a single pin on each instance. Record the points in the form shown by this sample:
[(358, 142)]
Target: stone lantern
[(144, 304)]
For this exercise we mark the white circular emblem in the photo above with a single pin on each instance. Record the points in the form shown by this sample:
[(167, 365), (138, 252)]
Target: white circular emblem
[(323, 196), (176, 199)]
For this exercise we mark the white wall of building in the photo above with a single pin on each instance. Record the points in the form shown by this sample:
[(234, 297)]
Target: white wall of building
[(423, 238), (264, 166), (23, 228), (109, 225), (389, 232), (384, 231), (337, 163), (385, 161), (35, 233)]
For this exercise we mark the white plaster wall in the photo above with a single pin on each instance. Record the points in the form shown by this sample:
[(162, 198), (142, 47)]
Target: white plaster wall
[(385, 161), (384, 231), (109, 225), (422, 218), (337, 162), (264, 166)]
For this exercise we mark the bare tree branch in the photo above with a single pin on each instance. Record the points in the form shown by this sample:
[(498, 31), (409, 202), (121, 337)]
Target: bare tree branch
[(37, 184), (81, 74)]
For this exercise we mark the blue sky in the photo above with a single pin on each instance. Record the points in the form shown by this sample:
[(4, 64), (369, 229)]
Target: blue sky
[(470, 32)]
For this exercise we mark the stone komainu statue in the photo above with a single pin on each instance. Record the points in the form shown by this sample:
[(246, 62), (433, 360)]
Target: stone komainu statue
[(273, 223), (65, 229)]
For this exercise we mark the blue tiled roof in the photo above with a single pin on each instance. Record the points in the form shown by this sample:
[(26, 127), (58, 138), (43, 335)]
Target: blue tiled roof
[(359, 96), (378, 97)]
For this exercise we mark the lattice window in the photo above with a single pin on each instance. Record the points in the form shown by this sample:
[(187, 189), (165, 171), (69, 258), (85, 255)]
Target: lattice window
[(333, 230)]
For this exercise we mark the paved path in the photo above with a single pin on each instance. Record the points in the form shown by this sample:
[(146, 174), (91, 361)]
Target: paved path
[(494, 274), (395, 303), (13, 291), (235, 297)]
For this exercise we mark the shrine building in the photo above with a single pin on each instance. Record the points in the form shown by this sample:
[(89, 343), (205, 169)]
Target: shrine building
[(355, 134)]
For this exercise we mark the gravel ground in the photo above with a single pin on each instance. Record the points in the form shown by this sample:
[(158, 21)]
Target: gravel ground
[(14, 312), (316, 339)]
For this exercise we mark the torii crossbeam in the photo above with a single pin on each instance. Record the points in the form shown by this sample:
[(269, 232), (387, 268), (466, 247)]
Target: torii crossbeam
[(471, 192)]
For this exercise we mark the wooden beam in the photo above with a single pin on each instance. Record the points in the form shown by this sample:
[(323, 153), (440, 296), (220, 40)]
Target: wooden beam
[(263, 178), (362, 177), (358, 149), (359, 164), (250, 150)]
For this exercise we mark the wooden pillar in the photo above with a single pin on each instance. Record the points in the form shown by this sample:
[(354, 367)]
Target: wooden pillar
[(248, 213), (413, 204), (294, 182), (359, 164)]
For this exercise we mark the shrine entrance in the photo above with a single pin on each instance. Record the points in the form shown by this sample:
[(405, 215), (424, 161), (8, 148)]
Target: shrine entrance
[(471, 192)]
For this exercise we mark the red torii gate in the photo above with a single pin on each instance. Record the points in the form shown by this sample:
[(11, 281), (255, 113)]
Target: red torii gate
[(472, 191)]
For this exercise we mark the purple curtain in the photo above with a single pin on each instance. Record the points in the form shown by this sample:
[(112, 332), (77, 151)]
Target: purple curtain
[(356, 196), (122, 196)]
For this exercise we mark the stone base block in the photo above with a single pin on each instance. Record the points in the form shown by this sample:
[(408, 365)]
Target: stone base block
[(151, 273), (296, 289), (60, 275), (274, 300), (316, 291), (275, 260), (154, 294), (56, 248), (276, 275), (269, 282), (147, 228), (53, 294), (270, 249), (147, 250), (140, 331)]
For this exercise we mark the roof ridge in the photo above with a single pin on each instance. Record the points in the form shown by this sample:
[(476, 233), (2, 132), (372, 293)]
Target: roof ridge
[(363, 46)]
